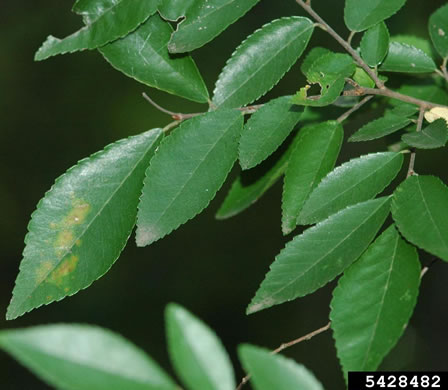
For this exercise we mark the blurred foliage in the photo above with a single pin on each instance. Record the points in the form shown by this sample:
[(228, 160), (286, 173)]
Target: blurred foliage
[(56, 112)]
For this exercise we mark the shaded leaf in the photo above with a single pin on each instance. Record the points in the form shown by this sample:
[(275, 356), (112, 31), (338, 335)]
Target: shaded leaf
[(143, 56), (187, 170), (329, 71), (322, 252), (262, 60), (407, 59), (111, 20), (355, 181), (388, 124), (438, 30), (363, 79), (196, 353), (83, 357), (277, 372), (174, 9), (375, 44), (82, 224), (360, 15), (266, 129), (205, 20), (312, 158), (431, 137), (374, 301), (420, 210), (314, 54), (242, 195)]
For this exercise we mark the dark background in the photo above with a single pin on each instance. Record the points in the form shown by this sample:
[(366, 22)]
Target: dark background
[(55, 112)]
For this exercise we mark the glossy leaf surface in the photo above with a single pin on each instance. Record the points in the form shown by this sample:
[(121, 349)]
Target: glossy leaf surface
[(266, 129), (412, 40), (82, 357), (174, 9), (112, 20), (438, 30), (187, 170), (312, 158), (277, 372), (374, 301), (205, 20), (197, 354), (360, 15), (82, 224), (420, 211), (355, 181), (407, 59), (244, 193), (378, 128), (432, 136), (143, 55), (330, 72), (313, 55), (261, 61), (375, 44), (318, 255)]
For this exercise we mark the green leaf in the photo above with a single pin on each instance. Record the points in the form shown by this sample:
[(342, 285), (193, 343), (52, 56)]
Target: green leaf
[(277, 372), (388, 124), (420, 210), (187, 170), (174, 9), (314, 54), (417, 42), (363, 79), (312, 158), (407, 59), (329, 71), (360, 15), (244, 193), (266, 129), (197, 354), (375, 44), (143, 56), (82, 224), (373, 302), (433, 136), (115, 20), (355, 181), (83, 357), (322, 252), (262, 60), (204, 20), (438, 30)]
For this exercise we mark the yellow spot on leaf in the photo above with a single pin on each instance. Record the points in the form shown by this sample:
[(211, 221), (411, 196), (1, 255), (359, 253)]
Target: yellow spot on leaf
[(78, 214), (43, 270), (64, 242), (78, 242), (64, 269)]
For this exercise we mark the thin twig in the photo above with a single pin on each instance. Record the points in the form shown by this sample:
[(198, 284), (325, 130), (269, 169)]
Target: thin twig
[(350, 37), (287, 345), (356, 107), (412, 158), (343, 43)]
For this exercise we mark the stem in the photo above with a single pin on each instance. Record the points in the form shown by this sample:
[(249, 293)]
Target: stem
[(350, 37), (412, 159), (356, 107), (342, 42), (287, 345)]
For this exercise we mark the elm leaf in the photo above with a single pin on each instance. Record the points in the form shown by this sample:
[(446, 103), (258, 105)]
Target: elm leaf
[(433, 136), (197, 354), (262, 60), (375, 44), (420, 211), (378, 128), (407, 59), (143, 55), (187, 170), (84, 357), (204, 20), (82, 224), (313, 156), (112, 20), (320, 253), (174, 9), (277, 372), (362, 14), (373, 302), (266, 129), (438, 30)]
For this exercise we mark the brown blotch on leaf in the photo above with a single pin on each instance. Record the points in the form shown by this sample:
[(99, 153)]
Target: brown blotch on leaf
[(64, 269), (78, 214), (43, 270)]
